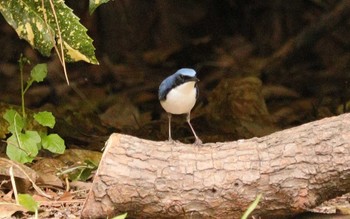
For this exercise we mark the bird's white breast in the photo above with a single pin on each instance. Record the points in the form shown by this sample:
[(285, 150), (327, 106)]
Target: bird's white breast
[(180, 99)]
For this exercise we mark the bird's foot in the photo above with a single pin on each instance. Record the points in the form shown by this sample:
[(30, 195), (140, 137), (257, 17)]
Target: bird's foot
[(171, 141), (198, 142)]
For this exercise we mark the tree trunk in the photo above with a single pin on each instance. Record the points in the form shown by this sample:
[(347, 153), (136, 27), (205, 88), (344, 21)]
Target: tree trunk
[(294, 170)]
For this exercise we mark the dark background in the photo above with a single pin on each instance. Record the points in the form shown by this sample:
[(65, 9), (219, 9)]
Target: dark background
[(254, 80)]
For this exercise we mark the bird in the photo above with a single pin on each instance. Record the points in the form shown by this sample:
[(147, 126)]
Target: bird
[(178, 94)]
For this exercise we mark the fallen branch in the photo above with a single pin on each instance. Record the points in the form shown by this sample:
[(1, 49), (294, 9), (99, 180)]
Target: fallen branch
[(294, 170)]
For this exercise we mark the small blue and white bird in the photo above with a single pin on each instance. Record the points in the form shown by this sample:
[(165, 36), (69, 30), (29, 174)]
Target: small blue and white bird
[(178, 94)]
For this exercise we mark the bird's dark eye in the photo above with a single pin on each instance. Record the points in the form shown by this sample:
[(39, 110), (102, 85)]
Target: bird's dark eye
[(185, 77)]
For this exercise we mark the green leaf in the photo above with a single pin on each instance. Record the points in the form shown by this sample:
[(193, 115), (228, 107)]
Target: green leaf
[(80, 172), (39, 72), (76, 43), (27, 17), (28, 202), (122, 216), (24, 148), (251, 207), (30, 138), (16, 122), (86, 172), (45, 119), (14, 152), (91, 163), (53, 143), (93, 4), (81, 175)]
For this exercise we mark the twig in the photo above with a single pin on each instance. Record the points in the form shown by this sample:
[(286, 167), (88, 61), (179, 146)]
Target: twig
[(13, 182), (60, 41), (41, 192), (60, 54)]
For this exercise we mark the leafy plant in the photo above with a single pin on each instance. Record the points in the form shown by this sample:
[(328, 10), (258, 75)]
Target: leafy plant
[(81, 172), (23, 145), (48, 24)]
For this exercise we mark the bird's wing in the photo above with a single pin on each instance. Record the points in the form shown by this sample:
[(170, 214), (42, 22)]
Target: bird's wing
[(164, 89)]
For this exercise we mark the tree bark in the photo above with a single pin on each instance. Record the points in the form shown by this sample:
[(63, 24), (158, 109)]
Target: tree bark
[(294, 170)]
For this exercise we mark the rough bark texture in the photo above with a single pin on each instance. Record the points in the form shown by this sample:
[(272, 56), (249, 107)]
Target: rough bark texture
[(295, 169)]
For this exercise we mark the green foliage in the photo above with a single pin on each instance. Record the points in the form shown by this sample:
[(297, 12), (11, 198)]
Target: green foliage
[(93, 4), (23, 145), (28, 202), (15, 120), (53, 143), (251, 207), (80, 172), (38, 73), (45, 119), (40, 23), (29, 24)]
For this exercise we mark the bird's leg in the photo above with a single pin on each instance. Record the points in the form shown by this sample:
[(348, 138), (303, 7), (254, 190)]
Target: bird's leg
[(169, 118), (198, 141)]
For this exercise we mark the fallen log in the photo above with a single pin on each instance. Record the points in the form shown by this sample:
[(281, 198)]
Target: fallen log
[(295, 170)]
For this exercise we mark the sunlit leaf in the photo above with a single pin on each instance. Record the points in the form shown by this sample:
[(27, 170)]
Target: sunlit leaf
[(39, 72), (15, 120), (23, 148), (77, 44), (30, 139), (45, 119), (36, 23), (26, 17), (28, 202), (14, 152), (54, 143)]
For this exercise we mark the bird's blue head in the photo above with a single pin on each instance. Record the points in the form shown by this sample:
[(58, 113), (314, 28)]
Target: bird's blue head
[(189, 72), (181, 76)]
